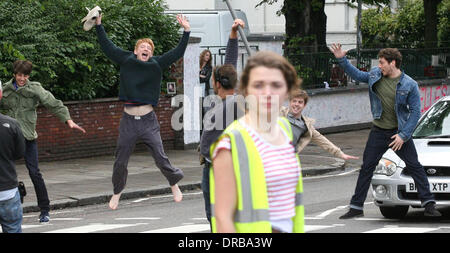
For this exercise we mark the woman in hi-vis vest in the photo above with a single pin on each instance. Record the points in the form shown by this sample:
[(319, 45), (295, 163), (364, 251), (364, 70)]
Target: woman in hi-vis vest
[(256, 182)]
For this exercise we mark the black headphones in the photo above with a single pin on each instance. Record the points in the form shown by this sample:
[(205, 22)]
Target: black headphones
[(223, 80)]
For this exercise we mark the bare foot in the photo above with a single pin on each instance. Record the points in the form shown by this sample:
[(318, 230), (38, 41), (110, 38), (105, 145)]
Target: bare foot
[(177, 195), (114, 202)]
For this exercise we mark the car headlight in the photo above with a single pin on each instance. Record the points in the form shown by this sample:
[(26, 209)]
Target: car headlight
[(385, 167)]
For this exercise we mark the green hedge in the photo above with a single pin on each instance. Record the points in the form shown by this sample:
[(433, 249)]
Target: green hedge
[(68, 60)]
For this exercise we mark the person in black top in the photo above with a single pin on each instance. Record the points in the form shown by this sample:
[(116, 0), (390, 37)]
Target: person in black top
[(205, 70), (224, 84), (140, 86), (12, 147)]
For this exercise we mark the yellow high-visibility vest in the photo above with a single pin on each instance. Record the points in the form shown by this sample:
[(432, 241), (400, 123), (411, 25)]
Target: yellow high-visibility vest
[(252, 214)]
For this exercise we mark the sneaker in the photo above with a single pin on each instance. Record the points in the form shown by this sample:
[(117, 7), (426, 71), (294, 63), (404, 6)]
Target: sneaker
[(430, 210), (352, 213), (44, 217)]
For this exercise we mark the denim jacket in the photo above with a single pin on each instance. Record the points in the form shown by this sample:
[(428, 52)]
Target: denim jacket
[(407, 98)]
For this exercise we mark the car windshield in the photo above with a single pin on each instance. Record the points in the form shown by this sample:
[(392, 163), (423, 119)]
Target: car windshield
[(436, 123)]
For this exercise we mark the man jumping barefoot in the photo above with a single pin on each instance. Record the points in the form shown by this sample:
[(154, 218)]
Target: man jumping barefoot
[(140, 82)]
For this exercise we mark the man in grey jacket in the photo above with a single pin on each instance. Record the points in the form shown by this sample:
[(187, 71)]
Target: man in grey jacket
[(303, 127), (12, 147)]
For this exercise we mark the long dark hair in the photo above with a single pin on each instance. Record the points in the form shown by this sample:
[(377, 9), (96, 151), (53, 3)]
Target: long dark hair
[(202, 56)]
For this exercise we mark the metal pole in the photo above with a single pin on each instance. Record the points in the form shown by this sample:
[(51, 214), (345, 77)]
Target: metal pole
[(358, 36), (241, 31)]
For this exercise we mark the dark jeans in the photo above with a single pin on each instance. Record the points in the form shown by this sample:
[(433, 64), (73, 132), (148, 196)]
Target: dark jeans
[(205, 189), (377, 144), (147, 129), (31, 162)]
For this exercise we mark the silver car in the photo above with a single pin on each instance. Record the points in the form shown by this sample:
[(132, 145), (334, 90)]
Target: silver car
[(393, 188)]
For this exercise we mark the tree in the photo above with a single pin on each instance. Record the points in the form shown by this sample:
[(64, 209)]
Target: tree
[(66, 59), (306, 23), (431, 22), (406, 28), (306, 27)]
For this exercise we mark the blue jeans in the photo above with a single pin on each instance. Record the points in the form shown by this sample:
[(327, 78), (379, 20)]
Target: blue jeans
[(11, 215), (32, 164), (205, 189), (376, 146)]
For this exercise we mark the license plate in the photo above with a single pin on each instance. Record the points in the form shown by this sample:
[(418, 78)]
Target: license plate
[(434, 187)]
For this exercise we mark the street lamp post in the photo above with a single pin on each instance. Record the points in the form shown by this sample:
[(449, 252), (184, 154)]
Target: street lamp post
[(358, 37), (241, 31)]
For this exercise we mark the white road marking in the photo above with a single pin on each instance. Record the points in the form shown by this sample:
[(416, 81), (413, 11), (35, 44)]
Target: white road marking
[(395, 229), (182, 229), (94, 228), (66, 219), (199, 219), (371, 219), (309, 228), (312, 218), (328, 212), (139, 218), (33, 226), (140, 200)]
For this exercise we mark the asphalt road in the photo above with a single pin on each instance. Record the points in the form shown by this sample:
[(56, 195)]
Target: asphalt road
[(326, 198)]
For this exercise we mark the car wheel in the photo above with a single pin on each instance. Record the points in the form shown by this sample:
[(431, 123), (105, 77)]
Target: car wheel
[(394, 212)]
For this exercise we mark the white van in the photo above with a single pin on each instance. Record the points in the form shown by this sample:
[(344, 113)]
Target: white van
[(212, 26)]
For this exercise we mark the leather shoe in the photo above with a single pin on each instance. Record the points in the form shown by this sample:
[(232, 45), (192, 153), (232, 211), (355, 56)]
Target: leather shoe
[(352, 213), (430, 210)]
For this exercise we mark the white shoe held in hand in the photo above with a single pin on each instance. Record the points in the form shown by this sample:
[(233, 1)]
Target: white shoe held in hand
[(89, 20)]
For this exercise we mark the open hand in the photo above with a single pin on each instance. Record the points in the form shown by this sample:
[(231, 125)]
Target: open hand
[(346, 157), (337, 50), (184, 22), (397, 143), (73, 125)]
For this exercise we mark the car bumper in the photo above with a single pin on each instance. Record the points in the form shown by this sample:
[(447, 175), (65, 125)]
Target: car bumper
[(391, 191)]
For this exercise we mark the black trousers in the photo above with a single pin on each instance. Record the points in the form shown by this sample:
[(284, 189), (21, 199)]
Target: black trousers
[(377, 144), (32, 164), (147, 129)]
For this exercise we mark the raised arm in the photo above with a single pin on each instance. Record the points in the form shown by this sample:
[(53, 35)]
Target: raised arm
[(231, 55), (113, 52), (173, 55), (351, 70)]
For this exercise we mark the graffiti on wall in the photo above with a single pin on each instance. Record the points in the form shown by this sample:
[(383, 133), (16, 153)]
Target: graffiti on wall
[(431, 94)]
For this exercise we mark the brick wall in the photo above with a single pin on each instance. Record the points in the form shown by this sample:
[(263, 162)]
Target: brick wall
[(100, 118)]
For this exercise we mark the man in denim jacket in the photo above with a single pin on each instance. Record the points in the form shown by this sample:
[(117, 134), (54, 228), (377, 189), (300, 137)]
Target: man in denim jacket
[(395, 105)]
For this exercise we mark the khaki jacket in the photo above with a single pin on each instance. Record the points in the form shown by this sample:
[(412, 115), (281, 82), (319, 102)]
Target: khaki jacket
[(313, 135), (22, 104)]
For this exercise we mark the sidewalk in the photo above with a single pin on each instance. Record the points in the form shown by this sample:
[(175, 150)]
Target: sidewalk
[(87, 181)]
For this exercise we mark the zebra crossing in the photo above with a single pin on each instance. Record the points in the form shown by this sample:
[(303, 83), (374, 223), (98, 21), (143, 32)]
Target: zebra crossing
[(101, 227), (143, 227)]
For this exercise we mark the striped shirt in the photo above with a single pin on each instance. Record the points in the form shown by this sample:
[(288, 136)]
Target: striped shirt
[(282, 171)]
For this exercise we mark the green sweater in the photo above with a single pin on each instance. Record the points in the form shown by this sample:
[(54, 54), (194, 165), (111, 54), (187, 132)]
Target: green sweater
[(21, 105), (140, 82)]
